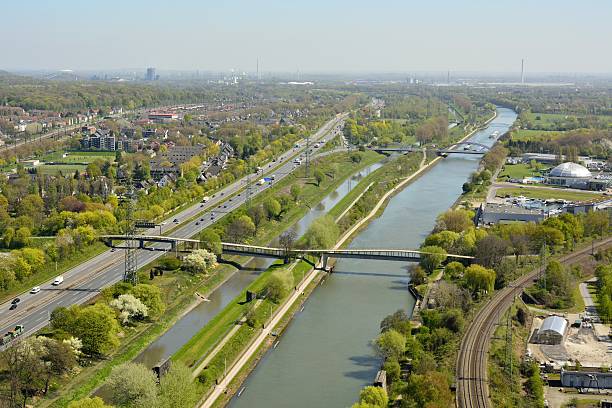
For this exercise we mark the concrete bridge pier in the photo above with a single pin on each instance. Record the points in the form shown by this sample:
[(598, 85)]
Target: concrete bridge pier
[(324, 259)]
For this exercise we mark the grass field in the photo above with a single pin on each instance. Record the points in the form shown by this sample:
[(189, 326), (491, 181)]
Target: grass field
[(78, 157), (547, 193), (517, 171), (535, 135), (56, 169), (552, 121)]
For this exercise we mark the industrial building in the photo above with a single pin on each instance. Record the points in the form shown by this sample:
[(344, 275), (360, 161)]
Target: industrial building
[(491, 213), (586, 379), (552, 331)]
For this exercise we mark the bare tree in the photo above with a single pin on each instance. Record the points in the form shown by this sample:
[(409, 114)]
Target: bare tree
[(287, 242)]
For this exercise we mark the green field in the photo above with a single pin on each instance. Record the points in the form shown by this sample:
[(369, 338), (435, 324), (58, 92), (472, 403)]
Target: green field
[(64, 168), (535, 135), (78, 157), (517, 171), (552, 121), (547, 193)]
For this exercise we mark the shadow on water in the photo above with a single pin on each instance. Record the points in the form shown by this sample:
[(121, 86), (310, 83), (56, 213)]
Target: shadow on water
[(370, 362)]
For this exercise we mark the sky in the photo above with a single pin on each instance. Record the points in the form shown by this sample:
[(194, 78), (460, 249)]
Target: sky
[(558, 36)]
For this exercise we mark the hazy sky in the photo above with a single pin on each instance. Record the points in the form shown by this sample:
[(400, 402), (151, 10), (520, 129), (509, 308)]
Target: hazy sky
[(309, 35)]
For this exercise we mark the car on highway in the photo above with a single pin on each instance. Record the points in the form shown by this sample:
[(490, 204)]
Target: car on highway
[(197, 222), (13, 306), (175, 221), (35, 290), (225, 206), (15, 301), (58, 281)]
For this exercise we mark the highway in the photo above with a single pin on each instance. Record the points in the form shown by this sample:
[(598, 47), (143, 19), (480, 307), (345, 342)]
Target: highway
[(471, 369), (85, 281)]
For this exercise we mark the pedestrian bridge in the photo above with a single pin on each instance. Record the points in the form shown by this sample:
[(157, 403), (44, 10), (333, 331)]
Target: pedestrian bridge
[(405, 255)]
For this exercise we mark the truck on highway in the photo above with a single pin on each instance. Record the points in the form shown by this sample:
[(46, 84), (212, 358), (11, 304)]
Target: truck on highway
[(205, 199), (16, 332)]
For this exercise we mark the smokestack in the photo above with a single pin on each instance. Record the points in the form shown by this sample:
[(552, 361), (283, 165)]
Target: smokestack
[(522, 71)]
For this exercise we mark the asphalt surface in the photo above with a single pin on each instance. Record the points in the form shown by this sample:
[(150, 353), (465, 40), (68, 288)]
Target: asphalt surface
[(85, 281)]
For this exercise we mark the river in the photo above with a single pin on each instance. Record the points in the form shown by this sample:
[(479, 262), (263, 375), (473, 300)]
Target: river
[(194, 320), (325, 356)]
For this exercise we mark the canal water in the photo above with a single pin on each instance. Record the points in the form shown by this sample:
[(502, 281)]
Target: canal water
[(325, 356), (197, 318)]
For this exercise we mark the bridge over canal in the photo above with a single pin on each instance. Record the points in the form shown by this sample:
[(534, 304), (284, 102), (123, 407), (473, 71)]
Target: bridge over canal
[(384, 254), (456, 148)]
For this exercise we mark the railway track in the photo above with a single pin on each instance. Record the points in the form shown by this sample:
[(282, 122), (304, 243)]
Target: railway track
[(471, 369)]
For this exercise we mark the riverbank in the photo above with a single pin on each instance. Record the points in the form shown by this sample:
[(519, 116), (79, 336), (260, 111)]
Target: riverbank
[(228, 386)]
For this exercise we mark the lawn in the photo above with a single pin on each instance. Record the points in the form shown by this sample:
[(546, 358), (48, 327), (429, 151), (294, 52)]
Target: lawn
[(63, 168), (517, 171), (78, 157), (547, 193)]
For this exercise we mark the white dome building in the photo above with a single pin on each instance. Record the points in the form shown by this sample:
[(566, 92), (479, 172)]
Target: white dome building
[(569, 175)]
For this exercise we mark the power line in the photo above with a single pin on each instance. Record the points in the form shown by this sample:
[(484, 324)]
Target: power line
[(130, 273)]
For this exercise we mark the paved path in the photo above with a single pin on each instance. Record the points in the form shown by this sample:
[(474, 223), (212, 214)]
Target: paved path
[(589, 304)]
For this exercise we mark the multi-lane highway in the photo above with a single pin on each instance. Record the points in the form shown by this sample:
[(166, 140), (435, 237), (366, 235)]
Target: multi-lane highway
[(472, 367), (87, 279)]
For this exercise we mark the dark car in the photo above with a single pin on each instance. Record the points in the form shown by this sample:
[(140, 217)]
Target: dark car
[(198, 223), (13, 306), (15, 301), (222, 193)]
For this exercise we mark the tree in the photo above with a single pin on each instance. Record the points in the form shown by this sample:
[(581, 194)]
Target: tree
[(151, 296), (491, 250), (211, 241), (391, 344), (287, 240), (322, 233), (177, 388), (257, 214), (95, 402), (478, 278), (455, 220), (276, 287), (272, 207), (199, 261), (454, 269), (130, 308), (58, 358), (418, 276), (132, 385), (432, 257), (398, 321), (296, 192), (443, 239), (97, 328), (319, 176), (240, 229), (376, 396)]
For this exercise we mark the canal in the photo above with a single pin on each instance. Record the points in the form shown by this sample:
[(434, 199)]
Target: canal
[(197, 318), (325, 356)]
